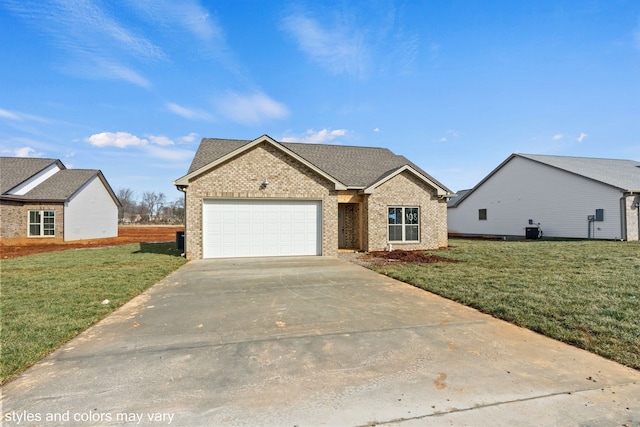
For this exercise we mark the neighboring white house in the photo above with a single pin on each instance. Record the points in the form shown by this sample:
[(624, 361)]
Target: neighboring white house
[(571, 197), (42, 199)]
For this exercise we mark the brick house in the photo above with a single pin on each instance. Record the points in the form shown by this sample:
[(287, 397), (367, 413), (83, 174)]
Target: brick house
[(41, 200), (270, 198)]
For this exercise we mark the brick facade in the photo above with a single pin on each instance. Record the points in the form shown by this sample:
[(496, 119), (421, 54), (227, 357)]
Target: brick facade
[(406, 190), (242, 178), (14, 217), (633, 217), (365, 222)]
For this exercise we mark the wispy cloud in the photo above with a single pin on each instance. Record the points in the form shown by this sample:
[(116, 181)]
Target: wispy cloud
[(19, 116), (581, 137), (323, 136), (449, 134), (90, 36), (250, 109), (191, 18), (558, 137), (188, 113), (356, 42), (337, 49), (189, 15)]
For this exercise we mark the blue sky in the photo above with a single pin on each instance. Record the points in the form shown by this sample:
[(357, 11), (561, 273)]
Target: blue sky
[(131, 87)]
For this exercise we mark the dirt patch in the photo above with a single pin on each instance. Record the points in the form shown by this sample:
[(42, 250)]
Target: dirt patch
[(380, 258), (126, 234)]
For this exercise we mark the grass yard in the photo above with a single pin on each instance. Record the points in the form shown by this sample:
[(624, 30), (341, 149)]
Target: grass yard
[(586, 293), (49, 298)]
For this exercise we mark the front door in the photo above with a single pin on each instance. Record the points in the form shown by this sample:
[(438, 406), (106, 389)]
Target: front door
[(348, 226)]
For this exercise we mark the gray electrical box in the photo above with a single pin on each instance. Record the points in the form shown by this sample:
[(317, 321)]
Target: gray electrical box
[(599, 214)]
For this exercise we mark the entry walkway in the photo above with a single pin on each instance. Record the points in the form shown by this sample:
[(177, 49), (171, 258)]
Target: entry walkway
[(313, 341)]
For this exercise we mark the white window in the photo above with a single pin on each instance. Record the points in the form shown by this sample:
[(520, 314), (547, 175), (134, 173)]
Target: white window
[(42, 223), (404, 224)]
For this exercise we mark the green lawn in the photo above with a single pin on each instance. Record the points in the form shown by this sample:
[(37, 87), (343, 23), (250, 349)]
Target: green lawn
[(49, 298), (586, 293)]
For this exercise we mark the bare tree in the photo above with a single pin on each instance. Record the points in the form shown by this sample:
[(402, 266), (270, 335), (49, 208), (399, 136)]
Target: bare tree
[(151, 205), (125, 195)]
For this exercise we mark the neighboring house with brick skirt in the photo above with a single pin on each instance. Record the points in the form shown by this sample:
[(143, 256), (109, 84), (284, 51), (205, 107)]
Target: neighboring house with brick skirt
[(41, 200), (569, 197), (269, 198)]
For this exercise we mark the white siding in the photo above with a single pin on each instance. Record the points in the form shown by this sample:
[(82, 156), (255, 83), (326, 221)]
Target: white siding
[(523, 189), (91, 213)]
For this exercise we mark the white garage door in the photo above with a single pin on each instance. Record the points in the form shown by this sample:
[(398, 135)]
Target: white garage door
[(246, 228)]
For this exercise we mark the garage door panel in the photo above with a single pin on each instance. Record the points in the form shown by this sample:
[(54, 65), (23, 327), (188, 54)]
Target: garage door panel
[(238, 228)]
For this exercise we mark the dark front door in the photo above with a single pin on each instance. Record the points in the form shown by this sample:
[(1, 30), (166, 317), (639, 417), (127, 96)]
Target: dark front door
[(347, 226)]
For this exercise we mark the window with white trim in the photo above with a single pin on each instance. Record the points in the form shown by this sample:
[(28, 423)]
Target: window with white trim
[(404, 224), (42, 223)]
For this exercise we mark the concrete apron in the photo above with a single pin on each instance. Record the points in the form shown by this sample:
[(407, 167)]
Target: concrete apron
[(313, 341)]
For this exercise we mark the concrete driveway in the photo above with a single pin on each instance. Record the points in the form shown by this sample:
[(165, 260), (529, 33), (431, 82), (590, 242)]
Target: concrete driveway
[(313, 341)]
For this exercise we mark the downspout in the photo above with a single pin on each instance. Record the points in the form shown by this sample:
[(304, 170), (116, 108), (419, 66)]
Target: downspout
[(623, 217)]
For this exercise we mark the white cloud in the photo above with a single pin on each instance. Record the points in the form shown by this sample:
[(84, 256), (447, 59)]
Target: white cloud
[(117, 139), (557, 137), (323, 136), (188, 113), (251, 109), (376, 129), (339, 50), (24, 152), (443, 139), (188, 138), (581, 137), (161, 140), (169, 154), (157, 146)]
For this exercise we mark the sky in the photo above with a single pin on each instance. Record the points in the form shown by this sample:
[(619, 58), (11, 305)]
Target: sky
[(130, 87)]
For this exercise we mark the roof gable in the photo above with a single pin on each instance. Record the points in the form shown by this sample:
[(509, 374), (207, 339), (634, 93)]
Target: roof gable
[(621, 174), (352, 167), (57, 187), (234, 148)]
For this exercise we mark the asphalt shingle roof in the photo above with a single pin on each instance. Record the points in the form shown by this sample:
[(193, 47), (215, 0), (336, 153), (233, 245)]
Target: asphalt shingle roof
[(15, 170), (623, 174), (355, 167), (57, 188), (61, 186)]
